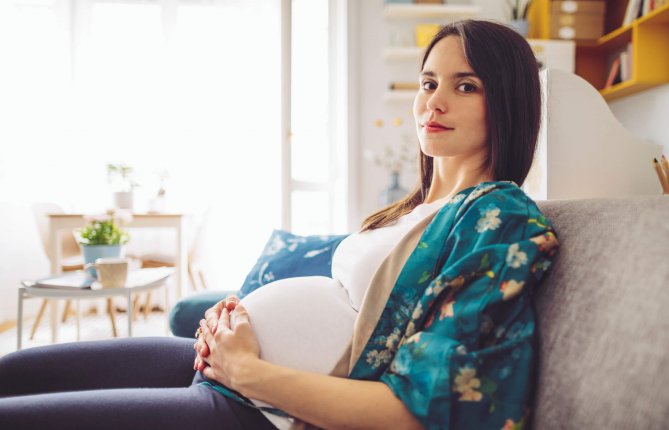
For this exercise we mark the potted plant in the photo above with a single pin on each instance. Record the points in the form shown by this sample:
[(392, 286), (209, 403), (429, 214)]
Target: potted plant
[(519, 10), (121, 178), (103, 237)]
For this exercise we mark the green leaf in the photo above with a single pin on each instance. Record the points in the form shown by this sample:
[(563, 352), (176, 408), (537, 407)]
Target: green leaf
[(424, 277), (485, 262)]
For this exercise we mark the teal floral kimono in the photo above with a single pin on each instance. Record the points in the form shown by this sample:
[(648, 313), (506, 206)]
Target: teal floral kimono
[(456, 339)]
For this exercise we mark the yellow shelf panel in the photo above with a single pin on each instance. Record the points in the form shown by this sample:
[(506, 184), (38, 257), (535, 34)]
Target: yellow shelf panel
[(625, 88)]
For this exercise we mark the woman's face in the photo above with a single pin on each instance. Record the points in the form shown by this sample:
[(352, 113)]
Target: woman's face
[(450, 107)]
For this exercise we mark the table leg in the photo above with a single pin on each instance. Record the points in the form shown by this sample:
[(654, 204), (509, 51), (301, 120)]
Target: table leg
[(182, 260), (112, 315), (53, 304), (78, 310), (19, 322), (167, 309), (129, 313)]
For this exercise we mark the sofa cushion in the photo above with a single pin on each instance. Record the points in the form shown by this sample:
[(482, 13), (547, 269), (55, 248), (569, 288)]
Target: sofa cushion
[(602, 310)]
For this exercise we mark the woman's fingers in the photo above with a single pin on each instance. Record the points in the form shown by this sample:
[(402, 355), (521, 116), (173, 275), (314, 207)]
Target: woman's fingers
[(231, 302), (212, 314), (224, 321), (240, 316)]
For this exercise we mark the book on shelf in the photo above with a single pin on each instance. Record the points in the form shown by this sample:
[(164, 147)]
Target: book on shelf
[(650, 5), (633, 11), (614, 73), (626, 63)]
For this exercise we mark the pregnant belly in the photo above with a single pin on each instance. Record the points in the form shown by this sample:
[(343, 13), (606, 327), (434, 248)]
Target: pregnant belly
[(304, 323)]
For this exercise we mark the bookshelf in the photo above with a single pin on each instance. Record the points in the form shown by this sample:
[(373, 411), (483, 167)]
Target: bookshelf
[(648, 37)]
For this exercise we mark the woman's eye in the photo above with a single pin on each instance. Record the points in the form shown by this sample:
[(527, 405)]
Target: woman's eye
[(467, 87), (428, 86)]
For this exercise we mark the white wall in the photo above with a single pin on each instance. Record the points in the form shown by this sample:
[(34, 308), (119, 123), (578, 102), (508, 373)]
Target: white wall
[(646, 115), (20, 247)]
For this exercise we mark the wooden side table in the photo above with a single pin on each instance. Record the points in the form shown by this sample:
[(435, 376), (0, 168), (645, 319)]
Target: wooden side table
[(138, 281)]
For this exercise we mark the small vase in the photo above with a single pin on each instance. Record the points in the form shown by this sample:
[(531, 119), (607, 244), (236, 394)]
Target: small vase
[(521, 26), (123, 200), (394, 192), (93, 252)]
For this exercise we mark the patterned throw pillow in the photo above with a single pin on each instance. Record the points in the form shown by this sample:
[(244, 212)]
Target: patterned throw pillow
[(287, 255)]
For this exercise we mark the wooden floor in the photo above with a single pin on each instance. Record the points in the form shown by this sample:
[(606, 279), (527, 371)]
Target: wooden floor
[(7, 325)]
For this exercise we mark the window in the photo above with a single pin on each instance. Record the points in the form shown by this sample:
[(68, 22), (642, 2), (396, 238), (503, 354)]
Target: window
[(315, 166), (188, 87)]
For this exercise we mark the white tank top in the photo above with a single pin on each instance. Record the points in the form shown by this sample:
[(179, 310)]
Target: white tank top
[(357, 257)]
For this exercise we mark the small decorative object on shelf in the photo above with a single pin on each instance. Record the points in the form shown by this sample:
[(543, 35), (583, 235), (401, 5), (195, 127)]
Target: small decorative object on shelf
[(157, 204), (395, 159), (121, 178), (103, 237), (519, 16), (394, 192)]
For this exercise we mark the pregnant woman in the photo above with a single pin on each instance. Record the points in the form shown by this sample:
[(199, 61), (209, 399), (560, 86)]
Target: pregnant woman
[(427, 321)]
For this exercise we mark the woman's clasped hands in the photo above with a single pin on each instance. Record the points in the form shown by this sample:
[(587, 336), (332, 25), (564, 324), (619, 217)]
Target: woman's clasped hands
[(225, 342)]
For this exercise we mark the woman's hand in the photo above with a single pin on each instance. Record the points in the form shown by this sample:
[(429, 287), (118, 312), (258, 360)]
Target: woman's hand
[(211, 316), (230, 348)]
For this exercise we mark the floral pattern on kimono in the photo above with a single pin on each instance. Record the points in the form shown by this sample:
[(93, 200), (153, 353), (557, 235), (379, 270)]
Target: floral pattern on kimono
[(455, 341)]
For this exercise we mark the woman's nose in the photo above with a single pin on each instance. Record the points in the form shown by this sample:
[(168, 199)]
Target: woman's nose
[(437, 102)]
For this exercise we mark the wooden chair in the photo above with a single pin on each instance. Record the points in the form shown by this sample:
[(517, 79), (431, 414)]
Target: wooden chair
[(195, 265)]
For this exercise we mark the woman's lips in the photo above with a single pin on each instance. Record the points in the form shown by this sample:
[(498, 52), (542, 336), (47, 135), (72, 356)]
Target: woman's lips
[(435, 128)]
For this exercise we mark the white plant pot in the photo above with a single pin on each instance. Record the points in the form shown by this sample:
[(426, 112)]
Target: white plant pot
[(123, 200)]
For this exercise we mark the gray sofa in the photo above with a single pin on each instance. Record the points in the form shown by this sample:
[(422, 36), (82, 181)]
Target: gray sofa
[(604, 317)]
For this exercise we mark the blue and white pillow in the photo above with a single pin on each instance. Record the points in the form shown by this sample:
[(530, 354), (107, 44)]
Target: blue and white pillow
[(287, 255)]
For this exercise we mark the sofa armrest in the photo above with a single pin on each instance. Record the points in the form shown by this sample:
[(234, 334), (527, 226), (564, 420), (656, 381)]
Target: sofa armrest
[(186, 314)]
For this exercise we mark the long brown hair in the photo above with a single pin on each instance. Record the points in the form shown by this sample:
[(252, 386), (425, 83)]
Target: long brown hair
[(506, 65)]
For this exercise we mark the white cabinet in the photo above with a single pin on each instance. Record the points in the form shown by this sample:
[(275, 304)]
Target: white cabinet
[(555, 54)]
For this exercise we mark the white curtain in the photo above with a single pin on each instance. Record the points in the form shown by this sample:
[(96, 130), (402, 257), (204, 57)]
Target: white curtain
[(191, 88)]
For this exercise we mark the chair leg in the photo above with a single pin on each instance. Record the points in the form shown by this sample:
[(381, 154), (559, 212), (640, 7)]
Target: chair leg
[(112, 316), (147, 305), (38, 319), (66, 311), (136, 307), (204, 283), (191, 277)]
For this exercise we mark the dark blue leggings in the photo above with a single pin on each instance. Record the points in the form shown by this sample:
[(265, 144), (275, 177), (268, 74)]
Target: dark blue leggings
[(142, 383)]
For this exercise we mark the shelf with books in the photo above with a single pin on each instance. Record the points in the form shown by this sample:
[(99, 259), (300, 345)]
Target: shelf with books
[(645, 42)]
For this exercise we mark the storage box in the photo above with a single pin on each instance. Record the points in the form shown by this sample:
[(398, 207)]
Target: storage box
[(577, 19)]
